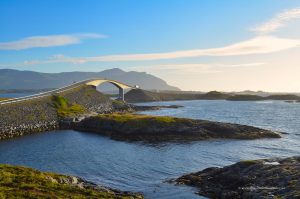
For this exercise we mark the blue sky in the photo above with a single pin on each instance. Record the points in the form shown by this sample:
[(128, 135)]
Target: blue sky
[(61, 35)]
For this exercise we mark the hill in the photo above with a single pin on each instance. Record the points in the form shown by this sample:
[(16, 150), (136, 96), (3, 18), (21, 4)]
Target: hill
[(15, 79), (138, 95)]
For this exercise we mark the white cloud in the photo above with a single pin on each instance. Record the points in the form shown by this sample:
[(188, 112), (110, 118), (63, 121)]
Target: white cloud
[(47, 41), (257, 45), (176, 68), (191, 69), (277, 22)]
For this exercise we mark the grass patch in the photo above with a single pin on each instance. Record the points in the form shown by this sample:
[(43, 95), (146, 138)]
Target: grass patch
[(64, 108), (135, 120), (88, 92), (1, 99), (118, 103), (249, 162), (22, 182)]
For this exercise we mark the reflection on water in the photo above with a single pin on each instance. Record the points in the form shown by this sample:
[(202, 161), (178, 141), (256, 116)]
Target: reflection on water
[(143, 168)]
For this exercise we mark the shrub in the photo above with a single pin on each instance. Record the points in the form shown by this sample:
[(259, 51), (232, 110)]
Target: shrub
[(64, 108)]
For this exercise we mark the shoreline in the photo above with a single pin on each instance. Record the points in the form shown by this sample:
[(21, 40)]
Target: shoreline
[(25, 182)]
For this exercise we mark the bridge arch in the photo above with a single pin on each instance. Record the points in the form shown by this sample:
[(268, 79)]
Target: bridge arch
[(119, 85)]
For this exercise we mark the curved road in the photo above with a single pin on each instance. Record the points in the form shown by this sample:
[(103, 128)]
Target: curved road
[(95, 82)]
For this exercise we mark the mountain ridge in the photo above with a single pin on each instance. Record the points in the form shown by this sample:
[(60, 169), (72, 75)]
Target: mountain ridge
[(17, 79)]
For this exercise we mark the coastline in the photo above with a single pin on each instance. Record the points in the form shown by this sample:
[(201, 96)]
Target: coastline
[(25, 182)]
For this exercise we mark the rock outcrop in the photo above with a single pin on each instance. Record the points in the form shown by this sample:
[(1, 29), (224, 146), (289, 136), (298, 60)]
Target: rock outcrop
[(23, 182), (132, 127), (266, 178)]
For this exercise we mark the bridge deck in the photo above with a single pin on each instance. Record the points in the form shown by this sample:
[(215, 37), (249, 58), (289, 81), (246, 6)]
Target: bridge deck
[(94, 82)]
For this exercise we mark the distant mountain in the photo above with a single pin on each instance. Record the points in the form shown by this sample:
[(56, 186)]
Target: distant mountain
[(15, 79)]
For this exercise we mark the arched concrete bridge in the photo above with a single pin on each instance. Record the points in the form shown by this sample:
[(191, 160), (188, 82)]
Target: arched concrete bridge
[(119, 85), (94, 82)]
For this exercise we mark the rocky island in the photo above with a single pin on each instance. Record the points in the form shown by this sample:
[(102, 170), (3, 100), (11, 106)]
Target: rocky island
[(23, 182), (136, 127), (265, 178)]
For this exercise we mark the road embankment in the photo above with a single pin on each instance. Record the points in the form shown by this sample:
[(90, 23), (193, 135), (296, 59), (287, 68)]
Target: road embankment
[(43, 114)]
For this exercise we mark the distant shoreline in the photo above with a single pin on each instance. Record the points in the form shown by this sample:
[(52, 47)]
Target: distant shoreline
[(138, 95)]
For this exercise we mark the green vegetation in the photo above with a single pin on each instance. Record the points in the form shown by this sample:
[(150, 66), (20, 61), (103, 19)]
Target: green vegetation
[(126, 117), (135, 120), (277, 197), (118, 103), (64, 108), (87, 91), (3, 99), (249, 162), (112, 95), (22, 182)]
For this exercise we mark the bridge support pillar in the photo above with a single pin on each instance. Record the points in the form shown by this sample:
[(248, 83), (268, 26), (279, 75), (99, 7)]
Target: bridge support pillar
[(121, 94)]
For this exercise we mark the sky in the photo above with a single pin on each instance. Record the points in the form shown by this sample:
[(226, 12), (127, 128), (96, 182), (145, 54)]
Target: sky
[(204, 45)]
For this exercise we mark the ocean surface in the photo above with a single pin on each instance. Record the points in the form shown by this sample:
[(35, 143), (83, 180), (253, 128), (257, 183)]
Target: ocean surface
[(145, 167)]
